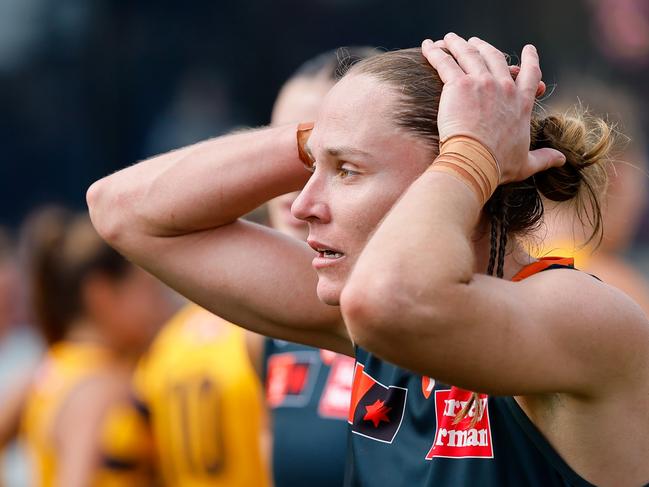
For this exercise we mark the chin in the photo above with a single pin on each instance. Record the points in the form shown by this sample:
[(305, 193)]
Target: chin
[(329, 292)]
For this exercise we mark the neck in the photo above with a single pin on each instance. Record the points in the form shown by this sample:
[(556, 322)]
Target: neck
[(516, 257), (83, 331), (86, 332)]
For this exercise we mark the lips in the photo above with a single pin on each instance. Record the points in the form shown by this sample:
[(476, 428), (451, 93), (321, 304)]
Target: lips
[(326, 254)]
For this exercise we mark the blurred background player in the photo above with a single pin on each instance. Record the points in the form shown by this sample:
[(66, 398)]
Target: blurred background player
[(20, 351), (98, 313), (625, 198), (202, 401), (307, 390)]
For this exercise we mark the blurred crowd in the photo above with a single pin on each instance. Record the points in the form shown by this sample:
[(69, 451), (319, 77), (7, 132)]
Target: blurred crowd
[(101, 363)]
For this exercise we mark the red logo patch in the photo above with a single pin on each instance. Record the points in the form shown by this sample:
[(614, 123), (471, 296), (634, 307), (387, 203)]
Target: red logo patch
[(328, 357), (337, 393), (376, 410), (291, 378), (460, 440)]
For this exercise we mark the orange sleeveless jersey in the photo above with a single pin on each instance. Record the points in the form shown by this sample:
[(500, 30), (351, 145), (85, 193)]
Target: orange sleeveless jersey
[(202, 399), (66, 366)]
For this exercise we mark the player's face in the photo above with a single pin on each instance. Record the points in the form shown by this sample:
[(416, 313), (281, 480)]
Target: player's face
[(130, 309), (299, 101), (364, 162)]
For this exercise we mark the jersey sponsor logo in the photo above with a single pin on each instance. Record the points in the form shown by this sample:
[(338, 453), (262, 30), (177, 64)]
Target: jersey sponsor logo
[(328, 357), (427, 386), (376, 410), (334, 402), (291, 378), (461, 440)]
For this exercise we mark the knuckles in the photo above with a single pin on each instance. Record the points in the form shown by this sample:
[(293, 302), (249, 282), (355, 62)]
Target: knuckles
[(487, 83), (465, 83), (508, 86)]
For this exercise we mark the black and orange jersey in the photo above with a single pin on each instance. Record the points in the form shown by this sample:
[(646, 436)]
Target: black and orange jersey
[(307, 393), (202, 399), (403, 431)]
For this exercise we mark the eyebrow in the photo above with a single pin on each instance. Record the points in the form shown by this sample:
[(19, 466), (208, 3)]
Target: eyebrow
[(339, 151)]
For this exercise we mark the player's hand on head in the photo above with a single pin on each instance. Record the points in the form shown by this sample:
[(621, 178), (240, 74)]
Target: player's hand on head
[(483, 97), (513, 69)]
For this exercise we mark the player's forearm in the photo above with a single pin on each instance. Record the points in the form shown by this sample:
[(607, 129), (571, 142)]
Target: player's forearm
[(424, 256), (202, 186)]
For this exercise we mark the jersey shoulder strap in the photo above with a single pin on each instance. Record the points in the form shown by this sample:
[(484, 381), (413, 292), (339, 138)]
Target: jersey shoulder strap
[(544, 264)]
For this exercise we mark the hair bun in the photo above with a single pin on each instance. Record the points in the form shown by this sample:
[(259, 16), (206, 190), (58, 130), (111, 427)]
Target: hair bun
[(586, 144)]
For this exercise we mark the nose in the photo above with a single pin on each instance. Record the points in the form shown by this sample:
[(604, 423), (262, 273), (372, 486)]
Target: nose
[(311, 204)]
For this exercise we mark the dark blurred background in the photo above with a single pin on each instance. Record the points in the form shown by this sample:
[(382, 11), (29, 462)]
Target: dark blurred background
[(90, 86), (87, 87)]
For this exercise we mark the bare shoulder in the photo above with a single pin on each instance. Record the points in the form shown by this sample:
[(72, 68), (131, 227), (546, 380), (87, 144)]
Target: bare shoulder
[(586, 293), (89, 400), (621, 274), (601, 324)]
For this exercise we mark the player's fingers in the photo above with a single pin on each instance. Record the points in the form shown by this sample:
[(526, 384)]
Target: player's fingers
[(444, 64), (495, 60), (440, 43), (529, 77), (466, 55), (540, 90), (541, 160)]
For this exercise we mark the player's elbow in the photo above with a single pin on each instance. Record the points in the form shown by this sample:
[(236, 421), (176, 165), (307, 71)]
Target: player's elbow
[(374, 313), (363, 314), (382, 313), (109, 212)]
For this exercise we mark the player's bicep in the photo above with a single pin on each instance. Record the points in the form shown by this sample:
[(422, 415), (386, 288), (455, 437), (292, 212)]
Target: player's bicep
[(252, 276), (560, 331)]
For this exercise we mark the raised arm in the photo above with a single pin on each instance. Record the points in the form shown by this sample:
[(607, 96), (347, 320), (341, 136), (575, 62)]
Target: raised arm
[(433, 312), (177, 214)]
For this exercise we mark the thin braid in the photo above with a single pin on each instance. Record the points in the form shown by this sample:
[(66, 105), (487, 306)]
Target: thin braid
[(500, 224), (494, 242), (502, 246)]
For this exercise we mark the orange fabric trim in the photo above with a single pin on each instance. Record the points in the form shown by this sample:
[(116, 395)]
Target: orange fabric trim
[(303, 133), (541, 265), (480, 169), (461, 174)]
